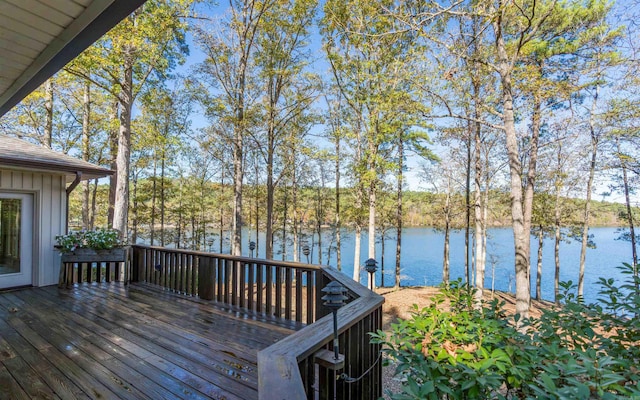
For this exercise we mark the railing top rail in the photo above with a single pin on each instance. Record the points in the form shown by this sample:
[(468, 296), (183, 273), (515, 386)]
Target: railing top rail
[(291, 264), (351, 285), (302, 343)]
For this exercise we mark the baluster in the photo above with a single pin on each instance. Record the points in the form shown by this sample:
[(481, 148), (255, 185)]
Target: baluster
[(259, 287), (250, 284), (171, 271), (299, 273), (88, 272), (235, 270), (221, 279), (288, 279), (278, 312), (228, 272), (193, 262), (310, 296), (205, 280), (166, 283), (269, 284), (185, 276)]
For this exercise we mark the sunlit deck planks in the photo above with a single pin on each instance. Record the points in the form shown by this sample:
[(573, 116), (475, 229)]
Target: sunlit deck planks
[(107, 341)]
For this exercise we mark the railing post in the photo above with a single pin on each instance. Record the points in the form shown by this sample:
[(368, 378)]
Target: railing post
[(205, 278), (136, 264)]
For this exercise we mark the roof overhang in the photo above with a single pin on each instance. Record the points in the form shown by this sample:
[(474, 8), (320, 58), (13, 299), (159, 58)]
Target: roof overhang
[(17, 154), (39, 37)]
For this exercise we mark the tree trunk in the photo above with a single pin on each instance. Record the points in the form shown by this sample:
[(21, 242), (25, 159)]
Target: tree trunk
[(257, 220), (382, 240), (632, 232), (467, 193), (121, 208), (238, 173), (113, 153), (48, 106), (447, 224), (356, 253), (539, 270), (521, 238), (94, 196), (400, 181), (319, 214), (154, 196), (337, 220), (203, 217), (533, 159), (180, 217), (270, 190), (372, 228), (86, 120), (162, 202), (587, 204), (296, 223), (134, 222), (558, 237), (479, 217), (284, 226)]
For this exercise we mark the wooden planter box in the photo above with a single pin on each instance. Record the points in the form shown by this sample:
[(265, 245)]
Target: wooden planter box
[(94, 264), (83, 255)]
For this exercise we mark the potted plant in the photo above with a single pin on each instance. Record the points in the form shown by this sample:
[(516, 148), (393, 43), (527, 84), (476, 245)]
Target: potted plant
[(99, 245)]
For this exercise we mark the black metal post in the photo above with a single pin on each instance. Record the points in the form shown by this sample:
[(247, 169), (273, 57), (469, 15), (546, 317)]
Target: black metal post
[(306, 251), (335, 335), (371, 266), (334, 299)]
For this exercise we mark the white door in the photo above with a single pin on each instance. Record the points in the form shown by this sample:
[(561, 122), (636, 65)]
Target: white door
[(16, 237)]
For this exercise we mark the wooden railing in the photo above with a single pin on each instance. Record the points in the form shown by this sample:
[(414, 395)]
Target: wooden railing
[(282, 290)]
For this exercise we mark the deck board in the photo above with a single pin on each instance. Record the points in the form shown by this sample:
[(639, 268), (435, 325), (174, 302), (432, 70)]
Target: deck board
[(108, 341)]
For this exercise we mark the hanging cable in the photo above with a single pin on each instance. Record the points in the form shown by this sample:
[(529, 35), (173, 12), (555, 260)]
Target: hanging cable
[(349, 379)]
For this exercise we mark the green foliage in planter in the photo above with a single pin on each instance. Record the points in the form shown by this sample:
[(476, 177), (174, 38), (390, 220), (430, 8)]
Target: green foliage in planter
[(575, 351), (98, 239)]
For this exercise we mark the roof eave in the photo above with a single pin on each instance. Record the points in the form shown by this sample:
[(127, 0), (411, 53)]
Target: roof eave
[(98, 20)]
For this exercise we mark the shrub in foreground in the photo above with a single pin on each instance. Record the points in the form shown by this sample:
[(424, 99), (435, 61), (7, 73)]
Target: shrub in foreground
[(456, 350)]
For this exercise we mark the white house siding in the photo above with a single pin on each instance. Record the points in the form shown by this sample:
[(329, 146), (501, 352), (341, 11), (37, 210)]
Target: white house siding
[(49, 204)]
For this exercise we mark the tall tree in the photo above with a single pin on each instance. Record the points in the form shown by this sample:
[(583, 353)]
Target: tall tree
[(515, 27), (144, 46), (229, 66), (165, 121), (281, 56), (373, 70)]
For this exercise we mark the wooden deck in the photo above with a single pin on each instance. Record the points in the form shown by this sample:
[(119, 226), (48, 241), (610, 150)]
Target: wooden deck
[(105, 341)]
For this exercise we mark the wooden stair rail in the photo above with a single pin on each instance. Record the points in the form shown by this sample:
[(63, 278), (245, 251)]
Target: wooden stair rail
[(290, 292)]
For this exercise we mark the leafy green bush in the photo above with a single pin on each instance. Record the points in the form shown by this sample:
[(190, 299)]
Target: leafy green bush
[(453, 350)]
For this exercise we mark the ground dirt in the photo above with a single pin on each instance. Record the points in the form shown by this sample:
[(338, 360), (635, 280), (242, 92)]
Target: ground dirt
[(399, 303)]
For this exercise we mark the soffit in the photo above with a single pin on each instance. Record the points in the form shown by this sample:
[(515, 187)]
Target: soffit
[(39, 37)]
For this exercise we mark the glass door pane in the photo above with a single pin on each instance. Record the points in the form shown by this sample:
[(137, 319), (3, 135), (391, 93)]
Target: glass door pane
[(10, 235)]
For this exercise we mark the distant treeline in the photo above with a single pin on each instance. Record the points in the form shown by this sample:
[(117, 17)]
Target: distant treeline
[(197, 207)]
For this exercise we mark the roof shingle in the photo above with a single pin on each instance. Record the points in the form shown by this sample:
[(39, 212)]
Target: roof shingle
[(17, 153)]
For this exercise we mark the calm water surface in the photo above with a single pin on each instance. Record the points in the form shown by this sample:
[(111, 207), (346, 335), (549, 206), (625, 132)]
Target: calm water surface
[(422, 254)]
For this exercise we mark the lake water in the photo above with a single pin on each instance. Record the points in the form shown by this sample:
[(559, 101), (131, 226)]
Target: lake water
[(422, 254)]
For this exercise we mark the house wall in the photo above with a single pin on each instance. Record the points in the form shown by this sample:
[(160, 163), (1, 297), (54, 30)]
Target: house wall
[(49, 219)]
